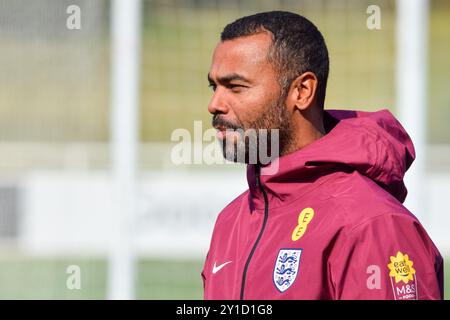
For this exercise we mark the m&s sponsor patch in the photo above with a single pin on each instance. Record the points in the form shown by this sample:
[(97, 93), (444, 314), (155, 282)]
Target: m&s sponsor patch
[(403, 277)]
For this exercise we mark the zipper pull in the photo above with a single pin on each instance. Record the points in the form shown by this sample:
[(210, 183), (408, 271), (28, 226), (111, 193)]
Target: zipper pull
[(257, 175)]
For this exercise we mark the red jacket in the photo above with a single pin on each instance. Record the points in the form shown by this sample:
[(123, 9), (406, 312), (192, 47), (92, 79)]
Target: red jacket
[(329, 224)]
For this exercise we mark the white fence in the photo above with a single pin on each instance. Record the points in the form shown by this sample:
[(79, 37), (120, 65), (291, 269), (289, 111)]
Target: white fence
[(71, 212)]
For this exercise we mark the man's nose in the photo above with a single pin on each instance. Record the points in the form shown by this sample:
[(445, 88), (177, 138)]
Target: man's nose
[(218, 103)]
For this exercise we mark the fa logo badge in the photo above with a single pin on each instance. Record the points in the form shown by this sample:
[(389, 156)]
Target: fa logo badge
[(286, 268)]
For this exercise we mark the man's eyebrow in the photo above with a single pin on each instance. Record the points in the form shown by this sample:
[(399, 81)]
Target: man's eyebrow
[(228, 78)]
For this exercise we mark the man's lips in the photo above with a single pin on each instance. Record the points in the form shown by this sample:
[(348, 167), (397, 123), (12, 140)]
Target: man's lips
[(223, 132), (220, 128)]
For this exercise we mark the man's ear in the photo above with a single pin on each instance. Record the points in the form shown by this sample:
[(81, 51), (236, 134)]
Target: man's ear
[(302, 92)]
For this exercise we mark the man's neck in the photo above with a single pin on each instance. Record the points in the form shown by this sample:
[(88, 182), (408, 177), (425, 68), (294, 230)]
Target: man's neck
[(306, 131)]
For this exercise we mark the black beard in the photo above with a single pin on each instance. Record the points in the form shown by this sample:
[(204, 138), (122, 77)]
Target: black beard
[(264, 140)]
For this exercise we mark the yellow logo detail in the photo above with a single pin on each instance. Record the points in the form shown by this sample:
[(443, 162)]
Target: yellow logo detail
[(401, 268), (304, 218)]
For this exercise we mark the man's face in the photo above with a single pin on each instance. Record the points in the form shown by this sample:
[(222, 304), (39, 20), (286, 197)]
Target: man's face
[(247, 95)]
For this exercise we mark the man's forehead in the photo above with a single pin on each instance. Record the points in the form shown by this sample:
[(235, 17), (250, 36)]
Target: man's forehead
[(241, 54)]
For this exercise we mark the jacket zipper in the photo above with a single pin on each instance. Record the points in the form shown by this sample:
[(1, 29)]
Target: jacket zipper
[(266, 216)]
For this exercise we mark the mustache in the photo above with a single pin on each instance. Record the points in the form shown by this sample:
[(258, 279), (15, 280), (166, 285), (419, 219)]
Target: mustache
[(218, 121)]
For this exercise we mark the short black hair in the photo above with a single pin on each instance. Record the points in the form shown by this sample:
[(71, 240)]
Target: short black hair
[(297, 45)]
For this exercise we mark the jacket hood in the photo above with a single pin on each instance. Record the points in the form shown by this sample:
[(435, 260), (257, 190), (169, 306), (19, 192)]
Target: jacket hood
[(373, 143)]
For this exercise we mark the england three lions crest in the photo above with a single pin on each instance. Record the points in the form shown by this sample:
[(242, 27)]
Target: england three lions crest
[(286, 268)]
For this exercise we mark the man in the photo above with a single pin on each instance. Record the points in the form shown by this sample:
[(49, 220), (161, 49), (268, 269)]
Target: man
[(329, 222)]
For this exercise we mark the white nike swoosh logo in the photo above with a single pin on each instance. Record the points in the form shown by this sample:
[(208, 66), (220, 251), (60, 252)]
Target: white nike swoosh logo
[(217, 268)]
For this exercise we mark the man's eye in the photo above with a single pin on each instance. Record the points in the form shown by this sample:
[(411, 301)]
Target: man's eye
[(236, 87), (212, 86)]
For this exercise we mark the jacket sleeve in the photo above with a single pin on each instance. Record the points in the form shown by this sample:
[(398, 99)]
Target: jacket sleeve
[(386, 257)]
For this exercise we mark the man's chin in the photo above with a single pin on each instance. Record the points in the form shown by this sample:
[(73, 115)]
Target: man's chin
[(240, 150), (240, 156), (233, 156)]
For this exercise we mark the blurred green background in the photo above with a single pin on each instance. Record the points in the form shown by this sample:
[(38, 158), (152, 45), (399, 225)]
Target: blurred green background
[(56, 87), (156, 279), (177, 42)]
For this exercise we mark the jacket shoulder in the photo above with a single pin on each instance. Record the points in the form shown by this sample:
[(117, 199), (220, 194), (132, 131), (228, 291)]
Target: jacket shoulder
[(360, 200), (230, 211)]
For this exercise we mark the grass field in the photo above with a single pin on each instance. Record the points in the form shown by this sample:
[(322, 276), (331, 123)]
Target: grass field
[(45, 278), (22, 278)]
